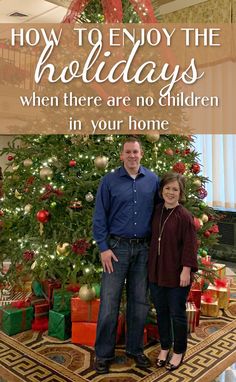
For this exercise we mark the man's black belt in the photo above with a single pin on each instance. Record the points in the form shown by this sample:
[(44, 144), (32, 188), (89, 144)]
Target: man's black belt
[(133, 240)]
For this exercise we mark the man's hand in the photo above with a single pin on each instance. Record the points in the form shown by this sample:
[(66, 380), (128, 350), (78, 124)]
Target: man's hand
[(185, 276), (106, 259)]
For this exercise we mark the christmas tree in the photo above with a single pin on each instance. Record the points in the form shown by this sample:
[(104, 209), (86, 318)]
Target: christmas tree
[(50, 183)]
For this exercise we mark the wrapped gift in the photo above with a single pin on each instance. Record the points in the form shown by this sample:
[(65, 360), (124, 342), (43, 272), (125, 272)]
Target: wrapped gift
[(152, 332), (220, 291), (191, 312), (41, 309), (198, 316), (61, 300), (84, 311), (48, 287), (40, 324), (84, 333), (209, 305), (9, 296), (195, 296), (37, 300), (14, 320), (59, 325), (220, 269)]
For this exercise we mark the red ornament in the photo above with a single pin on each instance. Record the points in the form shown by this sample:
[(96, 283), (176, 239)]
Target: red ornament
[(195, 168), (10, 158), (214, 229), (169, 151), (187, 151), (43, 216), (72, 163), (1, 213), (112, 10), (197, 223), (202, 193), (207, 234), (179, 167)]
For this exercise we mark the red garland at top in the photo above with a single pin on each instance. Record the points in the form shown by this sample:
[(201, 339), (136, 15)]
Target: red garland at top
[(112, 10)]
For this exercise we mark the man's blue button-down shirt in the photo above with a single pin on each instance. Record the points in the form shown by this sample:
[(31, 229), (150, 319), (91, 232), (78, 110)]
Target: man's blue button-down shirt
[(124, 205)]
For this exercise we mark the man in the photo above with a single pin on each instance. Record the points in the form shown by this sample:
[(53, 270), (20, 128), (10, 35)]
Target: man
[(122, 225)]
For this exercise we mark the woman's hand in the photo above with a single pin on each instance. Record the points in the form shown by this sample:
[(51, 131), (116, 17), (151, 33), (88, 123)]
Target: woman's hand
[(185, 277)]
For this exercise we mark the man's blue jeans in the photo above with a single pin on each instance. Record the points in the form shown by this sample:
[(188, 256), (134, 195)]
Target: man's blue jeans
[(171, 316), (132, 268)]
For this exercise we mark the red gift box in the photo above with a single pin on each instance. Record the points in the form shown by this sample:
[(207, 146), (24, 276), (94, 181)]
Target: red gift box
[(49, 286), (152, 332), (83, 333), (41, 309), (195, 296), (84, 311), (191, 311), (40, 324)]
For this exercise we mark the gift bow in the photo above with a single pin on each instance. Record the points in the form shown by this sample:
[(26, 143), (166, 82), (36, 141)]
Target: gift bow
[(207, 297), (220, 283), (112, 10)]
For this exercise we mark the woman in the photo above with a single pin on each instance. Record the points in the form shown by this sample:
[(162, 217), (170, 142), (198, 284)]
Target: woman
[(172, 259)]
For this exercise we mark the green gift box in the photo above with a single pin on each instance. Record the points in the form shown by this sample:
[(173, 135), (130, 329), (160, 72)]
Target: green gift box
[(59, 325), (14, 320), (61, 300)]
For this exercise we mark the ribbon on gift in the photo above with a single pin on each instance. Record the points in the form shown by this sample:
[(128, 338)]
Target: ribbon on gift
[(207, 297), (20, 304), (112, 10)]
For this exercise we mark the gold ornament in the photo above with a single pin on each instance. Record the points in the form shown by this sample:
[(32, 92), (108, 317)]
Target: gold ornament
[(15, 168), (28, 208), (204, 218), (197, 183), (89, 197), (109, 139), (27, 162), (153, 137), (86, 293), (46, 172), (200, 222), (18, 195), (63, 249), (101, 162)]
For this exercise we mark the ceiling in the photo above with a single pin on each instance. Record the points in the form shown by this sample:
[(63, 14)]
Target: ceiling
[(53, 11)]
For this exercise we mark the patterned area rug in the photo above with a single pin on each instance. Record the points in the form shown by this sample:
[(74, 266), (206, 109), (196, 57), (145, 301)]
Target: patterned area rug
[(36, 357)]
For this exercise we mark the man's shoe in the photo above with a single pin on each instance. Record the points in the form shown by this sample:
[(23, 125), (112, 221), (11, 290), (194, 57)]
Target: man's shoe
[(141, 360), (101, 366)]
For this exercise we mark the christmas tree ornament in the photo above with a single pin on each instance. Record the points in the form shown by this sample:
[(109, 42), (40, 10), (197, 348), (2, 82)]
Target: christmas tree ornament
[(198, 223), (179, 167), (28, 162), (28, 255), (89, 197), (28, 208), (207, 234), (15, 168), (76, 205), (18, 195), (152, 138), (63, 249), (72, 163), (10, 158), (204, 218), (46, 173), (195, 168), (53, 204), (109, 139), (202, 205), (197, 183), (86, 293), (97, 289), (1, 213), (202, 193), (43, 216), (101, 162), (169, 151)]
